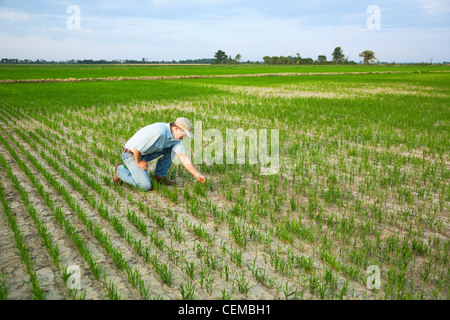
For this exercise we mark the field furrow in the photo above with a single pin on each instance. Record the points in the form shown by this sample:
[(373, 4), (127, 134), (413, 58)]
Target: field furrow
[(16, 279)]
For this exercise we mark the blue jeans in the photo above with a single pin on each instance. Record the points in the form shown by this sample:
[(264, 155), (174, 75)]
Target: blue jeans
[(132, 174)]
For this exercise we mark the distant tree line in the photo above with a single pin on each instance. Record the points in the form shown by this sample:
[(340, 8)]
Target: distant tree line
[(338, 57), (103, 61), (220, 57)]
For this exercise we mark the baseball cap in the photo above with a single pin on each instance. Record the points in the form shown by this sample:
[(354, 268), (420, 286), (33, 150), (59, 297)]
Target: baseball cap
[(186, 125)]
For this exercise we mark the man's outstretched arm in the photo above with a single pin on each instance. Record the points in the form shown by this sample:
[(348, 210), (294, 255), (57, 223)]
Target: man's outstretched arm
[(187, 163)]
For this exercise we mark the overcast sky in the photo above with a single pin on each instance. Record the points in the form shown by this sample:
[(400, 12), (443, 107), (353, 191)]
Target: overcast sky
[(402, 31)]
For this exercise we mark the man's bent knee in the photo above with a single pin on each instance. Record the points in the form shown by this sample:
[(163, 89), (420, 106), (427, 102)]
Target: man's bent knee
[(145, 187)]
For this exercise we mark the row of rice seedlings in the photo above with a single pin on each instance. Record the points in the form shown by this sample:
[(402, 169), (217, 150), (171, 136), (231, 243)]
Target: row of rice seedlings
[(134, 276), (95, 229), (23, 248), (47, 239), (64, 223)]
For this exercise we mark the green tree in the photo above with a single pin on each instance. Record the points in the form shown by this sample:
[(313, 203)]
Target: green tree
[(238, 58), (274, 60), (230, 60), (267, 59), (283, 60), (220, 57), (322, 59), (338, 55), (368, 55)]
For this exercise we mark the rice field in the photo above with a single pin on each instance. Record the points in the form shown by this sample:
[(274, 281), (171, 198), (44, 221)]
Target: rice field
[(358, 210)]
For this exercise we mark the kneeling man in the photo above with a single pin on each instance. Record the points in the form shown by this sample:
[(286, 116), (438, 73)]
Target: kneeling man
[(155, 140)]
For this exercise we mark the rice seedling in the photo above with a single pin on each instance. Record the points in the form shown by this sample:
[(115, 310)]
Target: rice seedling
[(188, 291), (226, 296), (242, 282), (3, 287)]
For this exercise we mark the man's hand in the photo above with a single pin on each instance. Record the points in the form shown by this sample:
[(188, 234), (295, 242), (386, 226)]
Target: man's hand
[(187, 163), (143, 165), (137, 157), (201, 179)]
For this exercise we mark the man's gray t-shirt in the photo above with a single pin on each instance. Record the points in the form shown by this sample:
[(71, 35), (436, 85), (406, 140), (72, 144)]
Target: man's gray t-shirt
[(154, 138)]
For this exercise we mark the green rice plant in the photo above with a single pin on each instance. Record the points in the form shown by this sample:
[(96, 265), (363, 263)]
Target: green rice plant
[(189, 269), (242, 282), (3, 288), (162, 270), (173, 194), (226, 296), (239, 234), (177, 233), (204, 273), (226, 269), (343, 291), (314, 283), (290, 291), (137, 221), (271, 283), (134, 276), (172, 253), (282, 232), (200, 232), (208, 283), (425, 273), (322, 289), (172, 214), (236, 256), (329, 279), (260, 275), (154, 237), (73, 292), (113, 294), (156, 217), (200, 190), (304, 263), (188, 291)]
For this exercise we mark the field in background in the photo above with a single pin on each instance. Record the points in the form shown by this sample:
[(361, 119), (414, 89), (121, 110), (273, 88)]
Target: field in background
[(364, 182), (16, 72)]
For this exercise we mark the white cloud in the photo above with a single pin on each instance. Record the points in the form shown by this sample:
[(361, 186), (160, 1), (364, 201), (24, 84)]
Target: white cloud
[(435, 6), (12, 15)]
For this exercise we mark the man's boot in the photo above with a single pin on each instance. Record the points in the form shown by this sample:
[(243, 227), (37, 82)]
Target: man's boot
[(116, 178), (166, 180)]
